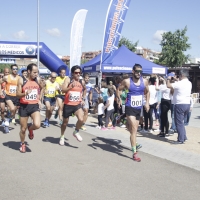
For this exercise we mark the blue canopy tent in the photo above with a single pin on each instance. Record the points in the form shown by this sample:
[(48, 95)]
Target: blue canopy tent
[(122, 61)]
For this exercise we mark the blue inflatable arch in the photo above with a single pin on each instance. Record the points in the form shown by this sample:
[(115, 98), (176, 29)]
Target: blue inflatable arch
[(29, 50)]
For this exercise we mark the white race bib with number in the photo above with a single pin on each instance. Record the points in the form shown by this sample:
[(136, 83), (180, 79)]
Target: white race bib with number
[(13, 89), (32, 96), (51, 91), (136, 101), (74, 96)]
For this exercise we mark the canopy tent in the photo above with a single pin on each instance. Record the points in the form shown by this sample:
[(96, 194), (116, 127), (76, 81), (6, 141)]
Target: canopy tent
[(122, 61)]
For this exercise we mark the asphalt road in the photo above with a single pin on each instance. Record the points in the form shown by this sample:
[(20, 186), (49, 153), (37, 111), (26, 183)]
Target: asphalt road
[(93, 169)]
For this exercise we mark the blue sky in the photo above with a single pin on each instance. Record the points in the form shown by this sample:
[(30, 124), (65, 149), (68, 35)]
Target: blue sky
[(145, 21)]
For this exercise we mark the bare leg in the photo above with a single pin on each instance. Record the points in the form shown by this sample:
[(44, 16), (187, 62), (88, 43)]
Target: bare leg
[(48, 109), (13, 108), (36, 121), (85, 115), (2, 105), (64, 125), (23, 123), (60, 109), (79, 114)]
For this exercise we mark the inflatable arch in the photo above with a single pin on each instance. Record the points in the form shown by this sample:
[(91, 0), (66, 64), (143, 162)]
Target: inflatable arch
[(29, 50)]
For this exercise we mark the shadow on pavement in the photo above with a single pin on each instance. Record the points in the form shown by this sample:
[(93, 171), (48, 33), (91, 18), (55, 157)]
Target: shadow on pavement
[(56, 141), (15, 145), (2, 129), (109, 145)]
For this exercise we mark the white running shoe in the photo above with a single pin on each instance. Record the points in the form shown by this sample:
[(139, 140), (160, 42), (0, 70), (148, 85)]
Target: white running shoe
[(77, 136), (62, 141), (150, 131)]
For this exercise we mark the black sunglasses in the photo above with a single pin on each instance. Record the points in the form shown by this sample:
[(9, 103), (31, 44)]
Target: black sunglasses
[(138, 71), (14, 68), (77, 72)]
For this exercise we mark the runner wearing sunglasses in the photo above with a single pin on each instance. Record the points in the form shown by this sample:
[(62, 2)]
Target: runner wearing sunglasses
[(28, 90), (10, 89), (51, 86), (75, 91), (137, 87)]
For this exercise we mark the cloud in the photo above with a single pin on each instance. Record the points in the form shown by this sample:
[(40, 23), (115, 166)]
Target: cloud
[(157, 37), (20, 35), (55, 32)]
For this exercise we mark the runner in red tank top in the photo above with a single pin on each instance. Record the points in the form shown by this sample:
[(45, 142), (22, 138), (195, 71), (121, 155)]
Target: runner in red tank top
[(2, 97), (75, 92), (28, 90)]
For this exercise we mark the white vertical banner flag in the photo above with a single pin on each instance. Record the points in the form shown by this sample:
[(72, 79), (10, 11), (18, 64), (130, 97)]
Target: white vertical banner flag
[(76, 37)]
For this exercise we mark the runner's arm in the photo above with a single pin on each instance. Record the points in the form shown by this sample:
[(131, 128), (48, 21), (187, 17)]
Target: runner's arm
[(19, 93), (147, 95), (65, 85), (84, 90)]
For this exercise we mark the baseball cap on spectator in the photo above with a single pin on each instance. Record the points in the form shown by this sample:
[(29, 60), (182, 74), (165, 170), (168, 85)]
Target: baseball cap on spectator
[(171, 74)]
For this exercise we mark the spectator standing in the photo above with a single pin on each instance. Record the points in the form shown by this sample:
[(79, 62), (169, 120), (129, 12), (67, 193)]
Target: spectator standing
[(110, 109), (182, 91), (165, 107), (100, 113)]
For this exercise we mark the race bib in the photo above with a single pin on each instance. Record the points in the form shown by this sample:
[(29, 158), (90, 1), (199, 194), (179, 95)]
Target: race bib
[(136, 101), (51, 91), (74, 96), (12, 89), (32, 96)]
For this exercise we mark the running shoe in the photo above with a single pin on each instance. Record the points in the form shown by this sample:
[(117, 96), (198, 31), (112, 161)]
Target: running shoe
[(62, 140), (98, 127), (138, 146), (47, 123), (111, 128), (150, 131), (83, 128), (6, 129), (61, 121), (77, 135), (123, 126), (30, 135), (136, 158), (13, 121), (22, 148), (178, 142), (104, 129), (56, 115)]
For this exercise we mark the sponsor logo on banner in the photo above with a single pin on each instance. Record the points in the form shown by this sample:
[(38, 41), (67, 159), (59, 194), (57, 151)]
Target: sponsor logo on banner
[(17, 49), (114, 22), (116, 68), (156, 70), (87, 68)]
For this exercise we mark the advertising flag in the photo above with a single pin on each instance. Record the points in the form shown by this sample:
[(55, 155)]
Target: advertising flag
[(113, 27), (76, 37)]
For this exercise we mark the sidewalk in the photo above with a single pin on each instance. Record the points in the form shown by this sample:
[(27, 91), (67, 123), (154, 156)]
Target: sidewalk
[(187, 154)]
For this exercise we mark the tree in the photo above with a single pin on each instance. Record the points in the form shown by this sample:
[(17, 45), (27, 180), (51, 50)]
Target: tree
[(129, 44), (173, 47)]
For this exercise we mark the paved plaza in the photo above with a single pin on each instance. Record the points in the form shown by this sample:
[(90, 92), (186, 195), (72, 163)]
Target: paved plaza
[(100, 167)]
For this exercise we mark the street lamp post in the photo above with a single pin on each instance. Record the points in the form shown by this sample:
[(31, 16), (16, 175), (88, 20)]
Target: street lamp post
[(38, 43)]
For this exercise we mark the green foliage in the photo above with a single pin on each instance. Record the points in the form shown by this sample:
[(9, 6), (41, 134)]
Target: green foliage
[(83, 61), (173, 47), (2, 66), (129, 44)]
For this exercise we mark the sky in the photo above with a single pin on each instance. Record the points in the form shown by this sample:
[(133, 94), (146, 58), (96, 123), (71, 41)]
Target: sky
[(145, 22)]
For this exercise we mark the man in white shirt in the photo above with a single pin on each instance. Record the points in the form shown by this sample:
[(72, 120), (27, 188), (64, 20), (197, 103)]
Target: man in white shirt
[(181, 98)]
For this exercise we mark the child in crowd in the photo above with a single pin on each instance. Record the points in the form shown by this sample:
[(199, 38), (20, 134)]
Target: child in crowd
[(100, 112), (110, 109)]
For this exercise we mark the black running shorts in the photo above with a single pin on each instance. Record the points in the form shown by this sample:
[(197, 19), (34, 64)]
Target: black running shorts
[(68, 110), (133, 112), (26, 110), (2, 100), (14, 99)]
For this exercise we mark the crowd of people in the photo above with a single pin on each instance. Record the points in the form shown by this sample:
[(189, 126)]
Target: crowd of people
[(127, 101)]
